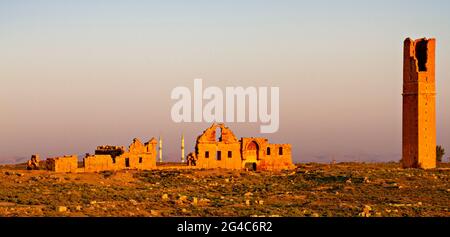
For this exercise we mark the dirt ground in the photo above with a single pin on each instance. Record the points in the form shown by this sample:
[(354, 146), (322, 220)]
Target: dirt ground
[(343, 189)]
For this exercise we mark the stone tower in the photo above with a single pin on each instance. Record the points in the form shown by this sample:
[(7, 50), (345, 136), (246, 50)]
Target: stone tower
[(419, 116), (182, 148), (160, 149)]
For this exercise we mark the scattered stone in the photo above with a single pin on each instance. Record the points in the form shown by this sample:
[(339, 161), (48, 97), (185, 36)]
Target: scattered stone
[(194, 201), (165, 197), (204, 201), (366, 180), (61, 209), (134, 202), (155, 213), (183, 198), (366, 211)]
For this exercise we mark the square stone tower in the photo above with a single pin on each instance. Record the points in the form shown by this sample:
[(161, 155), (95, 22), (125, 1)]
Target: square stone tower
[(419, 115)]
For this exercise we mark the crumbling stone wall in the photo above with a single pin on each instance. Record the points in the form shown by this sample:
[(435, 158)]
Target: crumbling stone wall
[(259, 153), (419, 115), (224, 150), (33, 163), (139, 156), (94, 163), (63, 164), (280, 158)]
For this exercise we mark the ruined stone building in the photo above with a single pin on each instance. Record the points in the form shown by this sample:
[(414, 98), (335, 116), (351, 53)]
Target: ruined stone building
[(218, 147), (139, 156), (419, 116), (68, 163)]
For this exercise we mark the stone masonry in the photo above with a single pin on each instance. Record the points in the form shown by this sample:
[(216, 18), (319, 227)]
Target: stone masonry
[(419, 114), (224, 150)]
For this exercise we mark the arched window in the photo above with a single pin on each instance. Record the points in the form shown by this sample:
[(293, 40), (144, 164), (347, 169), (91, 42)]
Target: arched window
[(268, 151), (280, 151)]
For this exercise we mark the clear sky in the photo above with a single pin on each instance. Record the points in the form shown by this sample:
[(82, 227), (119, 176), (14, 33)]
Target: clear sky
[(77, 74)]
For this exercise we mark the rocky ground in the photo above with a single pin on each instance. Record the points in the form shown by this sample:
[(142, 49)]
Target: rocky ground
[(344, 189)]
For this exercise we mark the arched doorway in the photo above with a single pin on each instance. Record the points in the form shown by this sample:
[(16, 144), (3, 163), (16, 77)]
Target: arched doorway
[(252, 151), (251, 155), (250, 166)]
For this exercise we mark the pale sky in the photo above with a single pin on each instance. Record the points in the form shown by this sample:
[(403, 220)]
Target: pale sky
[(77, 74)]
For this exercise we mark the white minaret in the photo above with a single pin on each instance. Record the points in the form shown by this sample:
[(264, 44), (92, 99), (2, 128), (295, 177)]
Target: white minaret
[(160, 149), (182, 148)]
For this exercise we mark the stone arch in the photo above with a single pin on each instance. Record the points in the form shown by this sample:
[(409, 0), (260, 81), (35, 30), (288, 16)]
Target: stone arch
[(209, 135), (251, 151)]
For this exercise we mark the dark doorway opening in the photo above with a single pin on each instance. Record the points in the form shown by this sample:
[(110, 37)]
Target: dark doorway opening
[(250, 166), (127, 162), (252, 152)]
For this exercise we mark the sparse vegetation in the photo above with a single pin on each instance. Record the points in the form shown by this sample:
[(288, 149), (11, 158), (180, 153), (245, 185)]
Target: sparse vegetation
[(344, 189)]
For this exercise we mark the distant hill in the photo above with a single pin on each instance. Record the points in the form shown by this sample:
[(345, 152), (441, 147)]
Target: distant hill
[(13, 160)]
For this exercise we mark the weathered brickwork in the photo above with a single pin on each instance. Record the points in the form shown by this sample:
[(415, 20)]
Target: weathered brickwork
[(63, 164), (419, 116), (224, 150), (139, 156)]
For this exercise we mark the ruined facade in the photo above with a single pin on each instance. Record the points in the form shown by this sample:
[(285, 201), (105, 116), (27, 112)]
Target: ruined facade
[(33, 163), (419, 116), (63, 164), (218, 147), (139, 156)]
